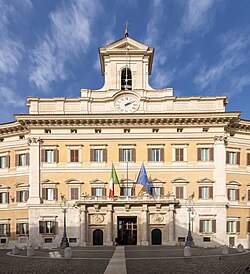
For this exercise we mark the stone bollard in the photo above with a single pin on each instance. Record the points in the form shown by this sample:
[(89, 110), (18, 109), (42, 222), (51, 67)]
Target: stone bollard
[(30, 251), (67, 253), (240, 248), (187, 251), (15, 250), (225, 250)]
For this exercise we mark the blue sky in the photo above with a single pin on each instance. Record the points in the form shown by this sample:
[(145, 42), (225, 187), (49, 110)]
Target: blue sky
[(49, 48)]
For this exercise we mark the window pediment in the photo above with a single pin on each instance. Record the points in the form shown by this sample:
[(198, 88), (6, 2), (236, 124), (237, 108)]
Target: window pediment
[(234, 183), (49, 183), (205, 181), (2, 186), (73, 181), (22, 185), (179, 181)]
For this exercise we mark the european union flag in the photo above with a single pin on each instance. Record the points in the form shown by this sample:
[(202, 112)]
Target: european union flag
[(143, 178)]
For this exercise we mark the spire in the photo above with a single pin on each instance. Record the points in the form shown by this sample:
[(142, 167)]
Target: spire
[(126, 29)]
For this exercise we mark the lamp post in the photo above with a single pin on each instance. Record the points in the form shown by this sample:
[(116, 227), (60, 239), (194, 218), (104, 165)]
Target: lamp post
[(64, 206), (189, 205)]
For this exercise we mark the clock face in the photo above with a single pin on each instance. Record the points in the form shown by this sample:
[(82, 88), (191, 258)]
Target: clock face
[(127, 103)]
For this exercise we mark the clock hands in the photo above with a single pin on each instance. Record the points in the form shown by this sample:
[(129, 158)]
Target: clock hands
[(129, 103)]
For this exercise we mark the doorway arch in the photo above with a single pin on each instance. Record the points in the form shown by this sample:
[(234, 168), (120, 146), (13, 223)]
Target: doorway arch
[(156, 236), (97, 237)]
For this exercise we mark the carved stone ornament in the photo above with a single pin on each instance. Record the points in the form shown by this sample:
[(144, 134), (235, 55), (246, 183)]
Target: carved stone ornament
[(97, 218), (34, 140), (221, 138), (157, 218)]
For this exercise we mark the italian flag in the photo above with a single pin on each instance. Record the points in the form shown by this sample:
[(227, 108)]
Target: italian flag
[(113, 181)]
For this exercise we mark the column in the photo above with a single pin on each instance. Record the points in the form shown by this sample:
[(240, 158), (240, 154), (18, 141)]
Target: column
[(220, 192), (171, 225), (109, 226), (144, 225), (34, 174), (83, 226)]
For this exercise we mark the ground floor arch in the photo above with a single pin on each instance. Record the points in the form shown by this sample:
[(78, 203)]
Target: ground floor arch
[(97, 237), (156, 236)]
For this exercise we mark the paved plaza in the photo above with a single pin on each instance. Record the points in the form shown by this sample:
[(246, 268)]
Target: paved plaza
[(126, 259)]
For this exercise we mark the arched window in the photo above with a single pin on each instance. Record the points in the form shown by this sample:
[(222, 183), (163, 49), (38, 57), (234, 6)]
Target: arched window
[(126, 79)]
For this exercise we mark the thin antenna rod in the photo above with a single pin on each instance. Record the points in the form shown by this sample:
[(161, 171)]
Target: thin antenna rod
[(127, 178), (126, 76)]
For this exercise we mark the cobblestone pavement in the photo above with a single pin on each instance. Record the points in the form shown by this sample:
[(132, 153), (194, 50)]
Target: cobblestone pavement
[(146, 260)]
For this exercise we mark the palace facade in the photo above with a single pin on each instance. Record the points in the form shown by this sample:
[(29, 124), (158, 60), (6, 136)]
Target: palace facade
[(196, 154)]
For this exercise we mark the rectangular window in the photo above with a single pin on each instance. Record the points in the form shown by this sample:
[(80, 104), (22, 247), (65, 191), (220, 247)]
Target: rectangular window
[(98, 191), (4, 161), (22, 159), (22, 196), (4, 197), (207, 226), (179, 192), (74, 155), (233, 194), (179, 154), (98, 155), (205, 154), (126, 154), (233, 158), (74, 193), (50, 194), (4, 229), (231, 226), (49, 155), (47, 227), (156, 156), (156, 191), (205, 192), (126, 191), (22, 228)]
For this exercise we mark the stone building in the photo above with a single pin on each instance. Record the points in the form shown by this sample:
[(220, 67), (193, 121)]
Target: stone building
[(196, 154)]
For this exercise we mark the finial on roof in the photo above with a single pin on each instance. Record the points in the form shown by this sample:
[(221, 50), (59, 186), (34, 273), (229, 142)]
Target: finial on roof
[(126, 29)]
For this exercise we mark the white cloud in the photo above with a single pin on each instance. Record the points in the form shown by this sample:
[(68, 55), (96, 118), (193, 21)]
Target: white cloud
[(9, 97), (10, 55), (198, 15), (70, 35), (234, 53)]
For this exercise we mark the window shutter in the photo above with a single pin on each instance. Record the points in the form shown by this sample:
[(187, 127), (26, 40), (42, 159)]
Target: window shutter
[(17, 160), (228, 196), (237, 194), (248, 159), (161, 191), (121, 191), (199, 154), (56, 155), (27, 159), (181, 154), (201, 226), (200, 192), (214, 226), (227, 157), (43, 156), (27, 230), (41, 227), (120, 155), (227, 226), (132, 191), (26, 195), (18, 196), (71, 155), (7, 197), (181, 192), (211, 154), (162, 154), (8, 229), (54, 227), (104, 192), (74, 193), (17, 228), (149, 154), (93, 193), (248, 191), (210, 192), (92, 155), (238, 158), (55, 194), (248, 226), (44, 193), (8, 161), (133, 155), (238, 226), (105, 157)]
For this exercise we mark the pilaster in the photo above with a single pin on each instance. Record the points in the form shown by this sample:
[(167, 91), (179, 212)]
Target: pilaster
[(83, 226), (109, 226), (144, 225)]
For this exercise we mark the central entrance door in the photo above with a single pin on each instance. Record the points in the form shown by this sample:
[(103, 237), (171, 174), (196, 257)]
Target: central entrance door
[(127, 231)]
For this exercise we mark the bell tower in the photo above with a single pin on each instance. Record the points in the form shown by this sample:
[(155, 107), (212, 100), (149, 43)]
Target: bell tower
[(126, 64)]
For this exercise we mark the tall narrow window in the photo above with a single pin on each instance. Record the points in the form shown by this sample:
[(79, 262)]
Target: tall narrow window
[(126, 79)]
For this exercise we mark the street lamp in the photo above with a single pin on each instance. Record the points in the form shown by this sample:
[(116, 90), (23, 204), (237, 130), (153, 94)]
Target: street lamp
[(189, 205), (64, 206)]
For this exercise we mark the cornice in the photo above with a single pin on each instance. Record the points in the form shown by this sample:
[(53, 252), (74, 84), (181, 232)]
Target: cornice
[(128, 119), (12, 128)]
